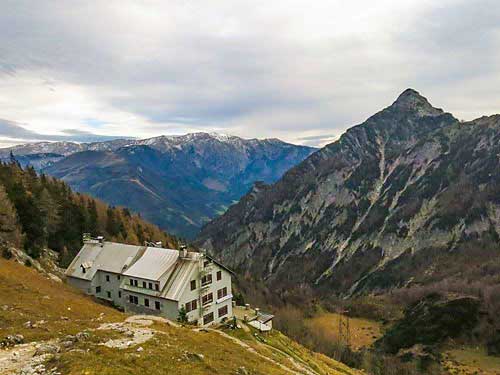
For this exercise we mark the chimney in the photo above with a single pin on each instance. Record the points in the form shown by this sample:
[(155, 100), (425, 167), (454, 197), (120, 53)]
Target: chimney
[(183, 251), (86, 237), (100, 239)]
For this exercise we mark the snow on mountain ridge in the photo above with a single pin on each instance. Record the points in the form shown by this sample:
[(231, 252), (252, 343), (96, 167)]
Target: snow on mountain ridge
[(162, 143)]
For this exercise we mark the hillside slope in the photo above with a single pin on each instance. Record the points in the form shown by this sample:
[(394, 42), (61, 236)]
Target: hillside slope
[(410, 195), (69, 333), (176, 182)]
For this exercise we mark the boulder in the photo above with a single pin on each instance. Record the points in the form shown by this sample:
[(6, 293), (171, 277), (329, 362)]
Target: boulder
[(47, 348), (82, 336), (11, 340)]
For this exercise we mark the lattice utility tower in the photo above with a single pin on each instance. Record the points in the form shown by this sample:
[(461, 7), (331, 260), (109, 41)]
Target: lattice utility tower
[(344, 329)]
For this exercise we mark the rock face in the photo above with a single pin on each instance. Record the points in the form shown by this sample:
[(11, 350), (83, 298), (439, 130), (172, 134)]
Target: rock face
[(390, 202), (176, 182)]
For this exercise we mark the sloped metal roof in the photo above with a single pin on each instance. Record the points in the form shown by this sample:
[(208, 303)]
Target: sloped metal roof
[(179, 278), (108, 257), (153, 263)]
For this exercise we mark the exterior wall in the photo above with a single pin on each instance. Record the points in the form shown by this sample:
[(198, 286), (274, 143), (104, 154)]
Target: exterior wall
[(168, 309), (225, 282), (126, 281), (99, 280), (81, 284), (188, 295), (112, 286)]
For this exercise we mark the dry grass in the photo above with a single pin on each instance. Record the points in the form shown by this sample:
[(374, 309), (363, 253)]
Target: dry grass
[(471, 361), (26, 295), (363, 332), (281, 348)]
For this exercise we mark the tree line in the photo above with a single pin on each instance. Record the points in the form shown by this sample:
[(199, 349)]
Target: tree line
[(38, 211)]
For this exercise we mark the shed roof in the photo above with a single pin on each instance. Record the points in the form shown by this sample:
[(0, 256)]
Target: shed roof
[(265, 317)]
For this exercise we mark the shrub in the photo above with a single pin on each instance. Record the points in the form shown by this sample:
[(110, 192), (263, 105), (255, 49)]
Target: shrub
[(7, 254)]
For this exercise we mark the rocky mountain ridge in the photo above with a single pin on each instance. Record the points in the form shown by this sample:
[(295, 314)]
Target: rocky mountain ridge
[(374, 209), (176, 182)]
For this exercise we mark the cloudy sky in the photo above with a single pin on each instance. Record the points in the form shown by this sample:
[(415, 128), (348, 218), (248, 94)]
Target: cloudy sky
[(299, 70)]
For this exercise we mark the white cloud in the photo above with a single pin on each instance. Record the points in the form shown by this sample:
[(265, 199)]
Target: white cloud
[(292, 69)]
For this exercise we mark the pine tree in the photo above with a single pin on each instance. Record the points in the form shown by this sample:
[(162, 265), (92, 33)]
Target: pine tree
[(9, 227), (112, 224), (92, 224), (48, 210)]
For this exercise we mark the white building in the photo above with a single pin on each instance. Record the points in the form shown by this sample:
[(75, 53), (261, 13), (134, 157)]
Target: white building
[(152, 280)]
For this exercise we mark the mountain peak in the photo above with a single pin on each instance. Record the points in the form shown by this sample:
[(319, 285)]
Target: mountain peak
[(411, 100)]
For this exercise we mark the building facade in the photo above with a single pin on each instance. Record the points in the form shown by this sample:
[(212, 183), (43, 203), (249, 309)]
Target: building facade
[(153, 280)]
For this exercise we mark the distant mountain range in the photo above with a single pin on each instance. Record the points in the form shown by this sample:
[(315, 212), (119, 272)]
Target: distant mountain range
[(410, 196), (176, 182)]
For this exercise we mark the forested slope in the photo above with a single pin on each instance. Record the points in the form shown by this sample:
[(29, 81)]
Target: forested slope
[(37, 211)]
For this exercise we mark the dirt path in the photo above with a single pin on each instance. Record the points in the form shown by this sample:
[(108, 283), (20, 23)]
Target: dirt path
[(301, 369)]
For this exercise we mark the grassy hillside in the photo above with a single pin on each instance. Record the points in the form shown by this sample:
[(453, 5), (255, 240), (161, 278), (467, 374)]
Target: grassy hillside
[(55, 311)]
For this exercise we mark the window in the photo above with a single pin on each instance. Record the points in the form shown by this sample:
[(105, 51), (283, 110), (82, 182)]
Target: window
[(219, 275), (98, 289), (192, 305), (131, 282), (108, 294), (208, 318), (150, 286), (193, 284), (206, 263), (207, 298), (207, 279), (119, 294), (107, 278), (144, 284), (146, 302), (157, 287), (222, 293), (222, 311), (118, 277), (135, 283), (157, 305), (133, 299)]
